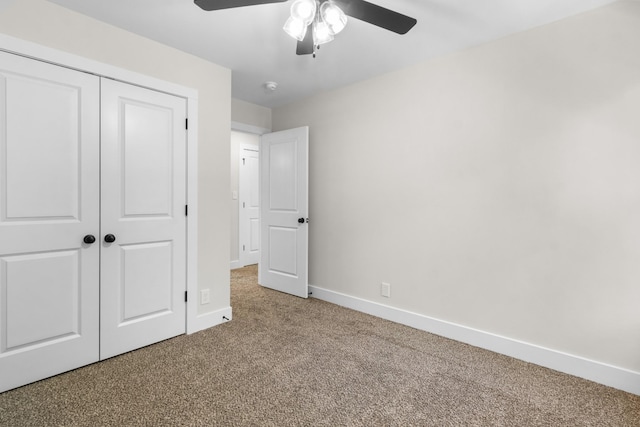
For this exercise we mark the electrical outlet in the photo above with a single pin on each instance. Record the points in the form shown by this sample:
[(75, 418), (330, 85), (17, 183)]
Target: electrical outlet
[(204, 296), (385, 290)]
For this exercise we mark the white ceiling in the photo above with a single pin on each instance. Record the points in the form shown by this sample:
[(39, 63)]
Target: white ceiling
[(250, 40)]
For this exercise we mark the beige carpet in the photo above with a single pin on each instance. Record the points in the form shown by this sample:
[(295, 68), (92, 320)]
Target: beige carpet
[(285, 361)]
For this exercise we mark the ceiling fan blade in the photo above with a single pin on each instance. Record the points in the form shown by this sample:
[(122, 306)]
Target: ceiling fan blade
[(228, 4), (305, 47), (377, 15)]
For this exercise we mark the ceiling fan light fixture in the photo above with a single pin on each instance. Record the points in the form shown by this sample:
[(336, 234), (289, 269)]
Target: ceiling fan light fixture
[(321, 33), (315, 22), (334, 17), (304, 10), (295, 28)]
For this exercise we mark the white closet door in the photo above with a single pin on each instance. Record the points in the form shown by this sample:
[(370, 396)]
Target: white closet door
[(143, 276), (49, 176)]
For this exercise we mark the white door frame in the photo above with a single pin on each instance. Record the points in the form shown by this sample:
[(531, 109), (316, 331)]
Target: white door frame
[(35, 51)]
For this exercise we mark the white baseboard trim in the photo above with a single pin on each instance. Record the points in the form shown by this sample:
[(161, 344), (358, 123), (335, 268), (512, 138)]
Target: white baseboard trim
[(598, 372), (236, 264), (209, 320)]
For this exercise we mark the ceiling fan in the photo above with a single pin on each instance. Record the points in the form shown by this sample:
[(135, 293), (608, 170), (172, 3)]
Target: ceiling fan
[(315, 22)]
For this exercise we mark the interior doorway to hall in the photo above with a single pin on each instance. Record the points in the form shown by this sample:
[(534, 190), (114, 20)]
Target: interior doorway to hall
[(245, 197), (270, 200)]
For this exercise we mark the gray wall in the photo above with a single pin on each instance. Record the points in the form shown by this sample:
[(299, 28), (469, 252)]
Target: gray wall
[(246, 113), (497, 188)]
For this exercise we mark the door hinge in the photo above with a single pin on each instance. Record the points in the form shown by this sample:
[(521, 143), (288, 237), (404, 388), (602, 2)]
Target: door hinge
[(186, 210), (243, 161), (186, 123), (185, 296), (243, 249)]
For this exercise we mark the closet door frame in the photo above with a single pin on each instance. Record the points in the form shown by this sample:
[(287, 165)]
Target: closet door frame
[(194, 323)]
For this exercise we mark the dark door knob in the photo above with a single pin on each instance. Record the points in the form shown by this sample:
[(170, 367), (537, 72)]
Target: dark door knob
[(109, 238), (89, 239), (300, 220)]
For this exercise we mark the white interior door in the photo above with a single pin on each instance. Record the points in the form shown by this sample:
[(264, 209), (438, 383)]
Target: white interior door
[(49, 176), (249, 205), (284, 210), (143, 277)]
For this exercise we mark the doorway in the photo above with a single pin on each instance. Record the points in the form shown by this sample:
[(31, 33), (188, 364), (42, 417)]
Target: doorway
[(244, 241), (269, 192)]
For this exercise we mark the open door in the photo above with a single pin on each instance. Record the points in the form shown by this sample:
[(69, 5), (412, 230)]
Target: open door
[(284, 210)]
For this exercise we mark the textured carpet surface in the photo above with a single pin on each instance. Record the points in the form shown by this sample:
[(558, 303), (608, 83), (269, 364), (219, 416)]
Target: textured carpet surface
[(285, 361)]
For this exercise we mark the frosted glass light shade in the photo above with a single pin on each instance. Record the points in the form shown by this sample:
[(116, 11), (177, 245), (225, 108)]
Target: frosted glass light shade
[(321, 33), (304, 10), (295, 28), (333, 16)]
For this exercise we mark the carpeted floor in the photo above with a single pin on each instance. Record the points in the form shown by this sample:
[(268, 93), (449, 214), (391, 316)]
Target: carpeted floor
[(285, 361)]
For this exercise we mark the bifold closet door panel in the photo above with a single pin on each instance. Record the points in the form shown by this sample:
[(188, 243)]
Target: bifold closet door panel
[(143, 270), (49, 203)]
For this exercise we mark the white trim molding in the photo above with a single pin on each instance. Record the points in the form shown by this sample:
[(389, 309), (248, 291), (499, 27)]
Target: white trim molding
[(192, 219), (64, 59), (598, 372), (208, 320), (242, 127)]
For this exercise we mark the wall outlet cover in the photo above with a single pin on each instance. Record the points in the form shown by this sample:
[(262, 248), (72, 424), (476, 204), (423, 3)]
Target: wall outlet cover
[(385, 290), (204, 296)]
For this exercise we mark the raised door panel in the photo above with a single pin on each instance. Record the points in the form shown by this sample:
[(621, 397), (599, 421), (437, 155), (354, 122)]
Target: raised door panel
[(49, 176), (41, 298), (41, 170), (282, 176), (283, 248), (146, 286), (146, 161), (143, 276)]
